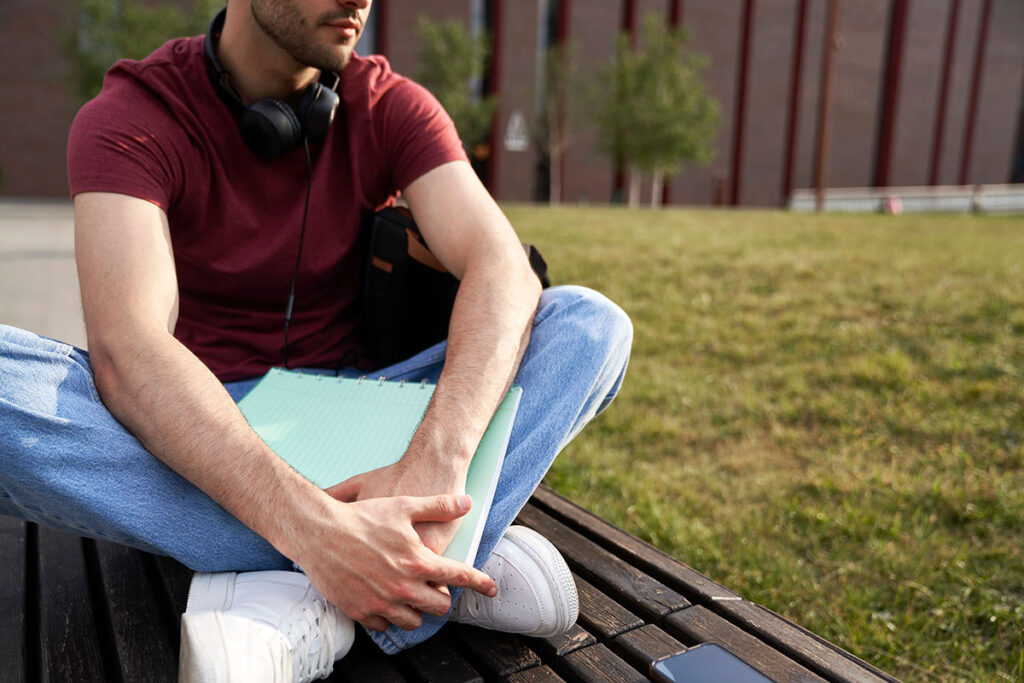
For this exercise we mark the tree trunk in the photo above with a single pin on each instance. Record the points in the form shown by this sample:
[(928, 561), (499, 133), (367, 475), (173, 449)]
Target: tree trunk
[(634, 188), (657, 188), (555, 179)]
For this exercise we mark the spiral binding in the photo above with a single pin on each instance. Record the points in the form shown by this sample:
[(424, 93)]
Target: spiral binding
[(380, 380)]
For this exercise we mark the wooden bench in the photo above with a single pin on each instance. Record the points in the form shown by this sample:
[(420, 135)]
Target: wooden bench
[(76, 609)]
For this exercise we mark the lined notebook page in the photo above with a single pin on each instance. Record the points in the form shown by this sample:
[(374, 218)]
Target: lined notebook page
[(330, 429)]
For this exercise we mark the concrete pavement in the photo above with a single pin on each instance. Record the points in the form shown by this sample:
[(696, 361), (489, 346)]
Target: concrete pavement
[(38, 281)]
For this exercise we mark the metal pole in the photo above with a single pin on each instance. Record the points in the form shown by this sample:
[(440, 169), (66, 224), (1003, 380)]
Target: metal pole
[(823, 137)]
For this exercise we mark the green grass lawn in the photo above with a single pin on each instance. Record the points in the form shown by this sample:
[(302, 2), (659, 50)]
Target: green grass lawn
[(823, 413)]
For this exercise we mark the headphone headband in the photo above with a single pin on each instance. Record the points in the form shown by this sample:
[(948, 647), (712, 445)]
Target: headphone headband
[(270, 127)]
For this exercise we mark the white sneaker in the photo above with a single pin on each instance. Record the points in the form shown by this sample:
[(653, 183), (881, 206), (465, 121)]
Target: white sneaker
[(536, 593), (252, 627)]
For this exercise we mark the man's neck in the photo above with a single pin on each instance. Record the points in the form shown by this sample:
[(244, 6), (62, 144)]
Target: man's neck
[(259, 67)]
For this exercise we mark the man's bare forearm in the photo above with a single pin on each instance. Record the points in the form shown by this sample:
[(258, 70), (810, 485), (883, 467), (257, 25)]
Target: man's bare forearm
[(489, 331), (182, 414)]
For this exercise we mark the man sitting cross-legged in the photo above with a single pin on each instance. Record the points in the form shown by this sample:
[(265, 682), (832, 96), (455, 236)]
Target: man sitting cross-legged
[(208, 180)]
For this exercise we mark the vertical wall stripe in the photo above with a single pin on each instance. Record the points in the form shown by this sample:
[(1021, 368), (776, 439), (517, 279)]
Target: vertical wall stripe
[(972, 105), (940, 107), (740, 113), (494, 77), (675, 14), (823, 136), (891, 94), (793, 115)]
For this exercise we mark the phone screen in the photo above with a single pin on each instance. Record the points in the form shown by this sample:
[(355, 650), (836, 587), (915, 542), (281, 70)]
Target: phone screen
[(706, 663)]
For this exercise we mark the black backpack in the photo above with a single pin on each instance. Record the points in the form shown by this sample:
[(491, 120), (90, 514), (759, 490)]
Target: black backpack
[(407, 295)]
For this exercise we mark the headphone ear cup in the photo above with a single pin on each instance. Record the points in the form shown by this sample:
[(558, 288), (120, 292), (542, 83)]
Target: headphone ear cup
[(270, 128), (316, 111)]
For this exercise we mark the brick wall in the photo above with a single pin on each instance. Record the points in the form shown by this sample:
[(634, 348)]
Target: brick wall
[(37, 108)]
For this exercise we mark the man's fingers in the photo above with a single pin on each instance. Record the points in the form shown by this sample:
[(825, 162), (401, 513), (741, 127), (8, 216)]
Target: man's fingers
[(443, 508), (458, 574), (375, 623), (345, 491)]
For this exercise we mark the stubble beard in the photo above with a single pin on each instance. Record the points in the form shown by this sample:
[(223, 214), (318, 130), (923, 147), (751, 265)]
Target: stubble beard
[(285, 25)]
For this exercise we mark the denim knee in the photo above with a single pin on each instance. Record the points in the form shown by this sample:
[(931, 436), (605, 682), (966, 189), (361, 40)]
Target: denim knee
[(596, 321)]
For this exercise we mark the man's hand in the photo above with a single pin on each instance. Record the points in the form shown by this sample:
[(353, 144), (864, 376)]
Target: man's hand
[(367, 559), (409, 477)]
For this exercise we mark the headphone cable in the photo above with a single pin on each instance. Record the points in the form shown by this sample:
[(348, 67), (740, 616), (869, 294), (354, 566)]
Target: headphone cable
[(298, 256)]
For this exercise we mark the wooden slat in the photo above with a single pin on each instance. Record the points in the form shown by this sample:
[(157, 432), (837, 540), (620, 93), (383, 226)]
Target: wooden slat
[(437, 660), (601, 615), (145, 648), (596, 663), (540, 674), (635, 589), (365, 662), (672, 572), (699, 625), (642, 646), (622, 583), (815, 653), (68, 635), (496, 654), (13, 643), (573, 639)]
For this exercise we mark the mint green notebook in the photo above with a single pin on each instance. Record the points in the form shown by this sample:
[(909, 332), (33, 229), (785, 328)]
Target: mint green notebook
[(330, 428)]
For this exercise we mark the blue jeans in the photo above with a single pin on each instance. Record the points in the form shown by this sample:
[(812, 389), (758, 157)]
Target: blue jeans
[(66, 463)]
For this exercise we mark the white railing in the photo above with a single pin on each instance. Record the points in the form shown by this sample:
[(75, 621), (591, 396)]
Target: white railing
[(994, 199)]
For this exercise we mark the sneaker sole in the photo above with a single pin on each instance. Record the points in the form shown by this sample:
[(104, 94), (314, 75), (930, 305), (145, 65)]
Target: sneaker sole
[(556, 571)]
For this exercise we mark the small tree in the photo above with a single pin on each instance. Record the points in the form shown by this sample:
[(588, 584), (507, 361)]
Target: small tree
[(655, 112), (451, 65), (108, 30), (559, 114)]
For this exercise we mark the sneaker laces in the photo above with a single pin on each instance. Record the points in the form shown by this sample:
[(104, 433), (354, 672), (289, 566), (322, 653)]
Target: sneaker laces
[(311, 639)]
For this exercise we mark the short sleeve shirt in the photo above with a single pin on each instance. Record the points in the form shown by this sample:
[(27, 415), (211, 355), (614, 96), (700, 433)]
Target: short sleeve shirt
[(159, 132)]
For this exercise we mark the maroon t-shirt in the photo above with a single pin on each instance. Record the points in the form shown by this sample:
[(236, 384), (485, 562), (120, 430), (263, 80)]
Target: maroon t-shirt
[(159, 132)]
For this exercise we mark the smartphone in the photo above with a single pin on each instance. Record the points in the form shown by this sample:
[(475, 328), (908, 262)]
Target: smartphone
[(706, 663)]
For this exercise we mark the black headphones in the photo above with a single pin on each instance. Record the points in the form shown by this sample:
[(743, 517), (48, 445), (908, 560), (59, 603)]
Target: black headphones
[(270, 127)]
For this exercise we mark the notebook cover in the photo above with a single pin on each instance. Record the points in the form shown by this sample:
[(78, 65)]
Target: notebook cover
[(330, 428)]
